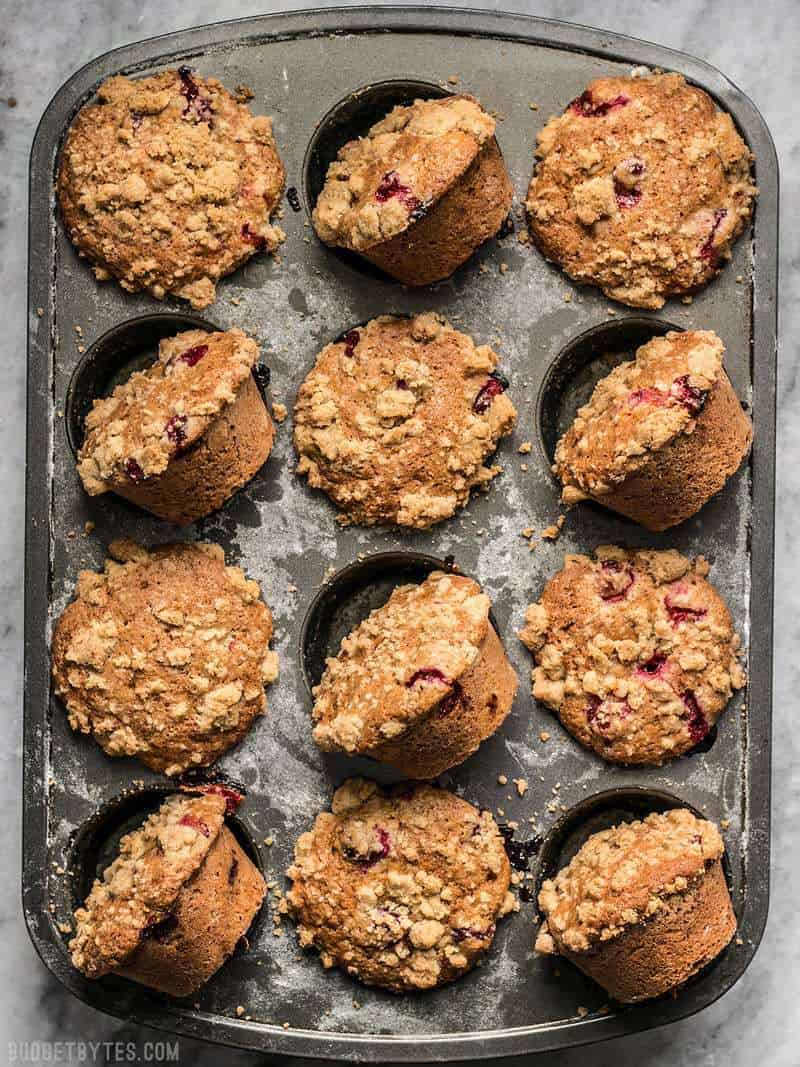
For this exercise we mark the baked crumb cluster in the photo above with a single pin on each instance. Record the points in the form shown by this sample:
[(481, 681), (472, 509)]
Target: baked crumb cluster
[(637, 409), (635, 652), (400, 663), (164, 655), (159, 413), (382, 183), (623, 876), (642, 185), (168, 184), (401, 888), (396, 420), (139, 889)]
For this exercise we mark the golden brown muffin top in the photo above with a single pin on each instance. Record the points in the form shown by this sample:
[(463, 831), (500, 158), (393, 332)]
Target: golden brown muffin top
[(622, 876), (138, 891), (160, 412), (396, 420), (400, 888), (635, 652), (642, 186), (382, 183), (637, 409), (400, 663), (168, 184), (165, 654)]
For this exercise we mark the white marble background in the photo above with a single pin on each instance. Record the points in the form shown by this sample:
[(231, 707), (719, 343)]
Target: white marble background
[(756, 45)]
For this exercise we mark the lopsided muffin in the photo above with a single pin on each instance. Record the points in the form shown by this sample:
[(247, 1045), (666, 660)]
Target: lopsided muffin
[(660, 435), (642, 907), (402, 888), (420, 683), (635, 652), (168, 183), (172, 907), (181, 437), (641, 188), (420, 192), (165, 655), (397, 419)]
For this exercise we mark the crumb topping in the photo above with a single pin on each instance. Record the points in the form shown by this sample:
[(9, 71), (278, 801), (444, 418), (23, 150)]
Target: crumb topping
[(637, 409), (160, 412), (140, 888), (400, 888), (623, 876), (382, 183), (164, 655), (396, 420), (401, 663), (641, 187), (168, 183), (634, 651)]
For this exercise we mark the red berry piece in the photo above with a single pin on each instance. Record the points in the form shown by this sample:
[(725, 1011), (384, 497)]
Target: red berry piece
[(391, 188), (197, 106), (231, 796), (707, 249), (616, 580), (584, 105), (250, 237), (134, 471), (176, 431), (193, 355), (626, 197), (196, 824), (351, 339), (689, 395), (654, 667), (495, 384), (428, 675), (696, 722)]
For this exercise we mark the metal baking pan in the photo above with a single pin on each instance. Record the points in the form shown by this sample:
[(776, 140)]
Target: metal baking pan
[(300, 66)]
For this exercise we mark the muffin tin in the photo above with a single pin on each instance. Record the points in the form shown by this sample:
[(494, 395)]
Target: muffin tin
[(316, 73)]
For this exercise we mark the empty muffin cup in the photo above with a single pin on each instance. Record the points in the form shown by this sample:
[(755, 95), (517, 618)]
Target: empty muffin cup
[(166, 412)]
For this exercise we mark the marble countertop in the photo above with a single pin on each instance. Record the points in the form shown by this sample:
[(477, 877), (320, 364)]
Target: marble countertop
[(40, 46)]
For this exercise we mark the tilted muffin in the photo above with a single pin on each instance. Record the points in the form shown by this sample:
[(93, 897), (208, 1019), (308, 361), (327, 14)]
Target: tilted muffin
[(418, 194), (660, 435), (168, 184), (165, 655), (396, 421), (181, 437), (635, 652), (400, 888), (171, 908), (420, 683), (641, 188), (642, 907)]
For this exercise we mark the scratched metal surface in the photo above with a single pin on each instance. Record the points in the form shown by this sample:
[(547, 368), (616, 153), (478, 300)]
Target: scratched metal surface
[(285, 536)]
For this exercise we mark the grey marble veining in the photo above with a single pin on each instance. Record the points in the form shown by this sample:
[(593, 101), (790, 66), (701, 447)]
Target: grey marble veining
[(40, 46)]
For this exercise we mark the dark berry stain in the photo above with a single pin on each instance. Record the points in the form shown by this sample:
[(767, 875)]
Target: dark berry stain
[(461, 933), (626, 197), (615, 580), (495, 384), (689, 395), (193, 355), (250, 237), (520, 853), (452, 700), (176, 430), (696, 722), (134, 471), (584, 105), (196, 105), (196, 824), (351, 339), (654, 666), (234, 870), (679, 613), (293, 197), (375, 854), (391, 188), (231, 796), (707, 249), (429, 675)]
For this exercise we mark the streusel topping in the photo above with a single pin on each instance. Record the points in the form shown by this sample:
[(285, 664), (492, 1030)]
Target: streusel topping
[(624, 875), (139, 889), (634, 651), (158, 413), (168, 184), (400, 888), (382, 183), (165, 655), (403, 660)]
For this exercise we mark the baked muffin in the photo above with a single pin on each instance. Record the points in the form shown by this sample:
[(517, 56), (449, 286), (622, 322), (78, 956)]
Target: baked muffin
[(635, 652), (420, 682), (397, 419), (167, 183), (418, 194), (400, 888), (660, 435), (173, 905), (641, 188), (181, 437), (165, 655), (642, 907)]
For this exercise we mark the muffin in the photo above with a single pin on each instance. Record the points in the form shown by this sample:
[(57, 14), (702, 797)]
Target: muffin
[(642, 907), (165, 655), (173, 905), (641, 188), (635, 652), (181, 437), (397, 419), (167, 183), (420, 683), (400, 888), (660, 435), (418, 194)]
